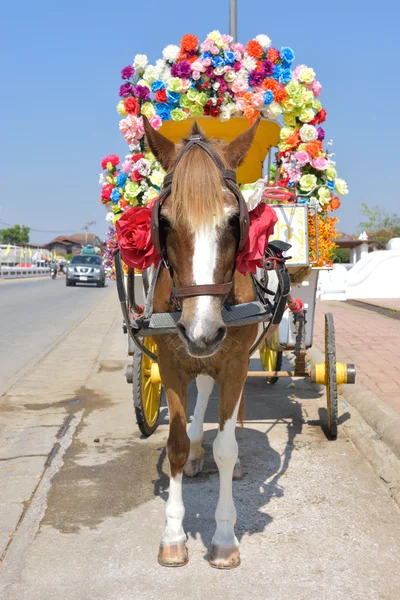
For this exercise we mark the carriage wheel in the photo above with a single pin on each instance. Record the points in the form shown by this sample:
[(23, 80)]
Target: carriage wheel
[(146, 389), (271, 357), (330, 375)]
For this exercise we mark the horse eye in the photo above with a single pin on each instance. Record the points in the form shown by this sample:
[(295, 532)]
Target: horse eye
[(233, 221)]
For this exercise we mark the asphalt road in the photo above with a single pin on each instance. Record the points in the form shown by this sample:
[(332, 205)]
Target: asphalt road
[(34, 315)]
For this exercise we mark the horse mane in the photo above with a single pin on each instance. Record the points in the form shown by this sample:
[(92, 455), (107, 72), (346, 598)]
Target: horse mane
[(197, 194)]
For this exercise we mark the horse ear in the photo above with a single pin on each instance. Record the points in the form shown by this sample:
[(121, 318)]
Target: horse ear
[(236, 151), (162, 148)]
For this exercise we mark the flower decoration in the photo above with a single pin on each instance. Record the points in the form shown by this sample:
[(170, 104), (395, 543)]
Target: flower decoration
[(223, 79)]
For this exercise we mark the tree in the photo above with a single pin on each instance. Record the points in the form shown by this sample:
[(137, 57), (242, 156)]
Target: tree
[(18, 235), (379, 224), (341, 255)]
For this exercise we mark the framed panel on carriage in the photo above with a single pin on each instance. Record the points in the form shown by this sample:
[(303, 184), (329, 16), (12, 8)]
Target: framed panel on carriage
[(292, 227)]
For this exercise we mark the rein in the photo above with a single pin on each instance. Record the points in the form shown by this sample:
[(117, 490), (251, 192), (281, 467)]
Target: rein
[(229, 177)]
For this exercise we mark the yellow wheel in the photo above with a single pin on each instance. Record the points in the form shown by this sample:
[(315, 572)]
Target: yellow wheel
[(146, 389), (271, 356)]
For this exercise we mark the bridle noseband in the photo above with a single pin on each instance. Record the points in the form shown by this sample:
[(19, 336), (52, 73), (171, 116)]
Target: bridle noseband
[(229, 178)]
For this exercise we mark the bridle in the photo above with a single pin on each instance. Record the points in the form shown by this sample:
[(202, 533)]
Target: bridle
[(229, 178)]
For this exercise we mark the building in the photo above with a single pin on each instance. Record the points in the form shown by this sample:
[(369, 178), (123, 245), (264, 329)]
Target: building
[(72, 244), (358, 246)]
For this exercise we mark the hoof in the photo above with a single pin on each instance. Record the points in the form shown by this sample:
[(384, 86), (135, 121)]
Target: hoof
[(237, 471), (173, 555), (192, 467), (224, 557)]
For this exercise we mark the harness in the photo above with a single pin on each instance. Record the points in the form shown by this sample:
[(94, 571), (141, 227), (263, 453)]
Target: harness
[(229, 178), (147, 323)]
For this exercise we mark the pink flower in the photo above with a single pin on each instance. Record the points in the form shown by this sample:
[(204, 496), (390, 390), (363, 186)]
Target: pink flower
[(156, 122), (226, 38), (127, 166), (258, 100), (197, 65), (207, 62), (239, 86), (227, 68), (241, 104), (214, 50), (238, 48), (297, 70), (320, 163), (302, 158), (185, 85), (206, 45), (316, 88), (196, 75)]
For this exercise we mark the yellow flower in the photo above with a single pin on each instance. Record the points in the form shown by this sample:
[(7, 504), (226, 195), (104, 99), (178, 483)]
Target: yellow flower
[(145, 83), (306, 115), (307, 75), (308, 98), (216, 37), (157, 177), (307, 182), (178, 114), (148, 110), (287, 105), (286, 132), (316, 105), (341, 186), (289, 119), (324, 195), (175, 84), (331, 173), (121, 108), (196, 110)]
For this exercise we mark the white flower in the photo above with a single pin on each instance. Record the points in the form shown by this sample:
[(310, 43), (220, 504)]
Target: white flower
[(341, 186), (103, 179), (165, 75), (216, 85), (273, 110), (109, 217), (232, 108), (224, 114), (171, 53), (263, 40), (219, 70), (249, 63), (159, 67), (308, 133), (230, 76), (150, 74), (143, 166), (139, 62)]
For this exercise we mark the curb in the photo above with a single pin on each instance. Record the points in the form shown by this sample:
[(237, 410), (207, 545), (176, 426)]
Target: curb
[(376, 413)]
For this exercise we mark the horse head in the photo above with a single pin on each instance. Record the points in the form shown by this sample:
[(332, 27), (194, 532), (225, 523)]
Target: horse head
[(201, 224)]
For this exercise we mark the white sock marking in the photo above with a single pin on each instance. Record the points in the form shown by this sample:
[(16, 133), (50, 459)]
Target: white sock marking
[(174, 513), (205, 386)]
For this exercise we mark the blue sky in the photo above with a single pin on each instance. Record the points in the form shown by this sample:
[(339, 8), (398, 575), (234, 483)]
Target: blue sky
[(60, 66)]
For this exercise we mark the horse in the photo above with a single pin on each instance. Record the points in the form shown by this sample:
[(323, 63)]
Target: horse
[(200, 225)]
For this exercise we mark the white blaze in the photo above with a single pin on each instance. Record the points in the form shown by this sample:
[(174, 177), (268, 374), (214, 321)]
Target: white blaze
[(204, 262)]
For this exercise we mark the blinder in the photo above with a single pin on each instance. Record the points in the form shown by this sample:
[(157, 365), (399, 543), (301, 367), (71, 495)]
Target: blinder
[(229, 178)]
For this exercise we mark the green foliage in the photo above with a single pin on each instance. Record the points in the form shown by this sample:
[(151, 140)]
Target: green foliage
[(341, 255), (18, 235), (379, 224)]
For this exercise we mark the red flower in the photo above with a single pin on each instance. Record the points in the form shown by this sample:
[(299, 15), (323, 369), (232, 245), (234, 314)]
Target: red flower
[(136, 176), (214, 111), (132, 106), (320, 117), (134, 238), (106, 192), (262, 221), (161, 96), (137, 156), (113, 159)]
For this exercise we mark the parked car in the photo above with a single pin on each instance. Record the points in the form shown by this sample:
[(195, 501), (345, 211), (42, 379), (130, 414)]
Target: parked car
[(85, 268)]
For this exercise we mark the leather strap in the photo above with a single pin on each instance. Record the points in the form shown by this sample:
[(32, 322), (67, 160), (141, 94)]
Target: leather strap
[(212, 289)]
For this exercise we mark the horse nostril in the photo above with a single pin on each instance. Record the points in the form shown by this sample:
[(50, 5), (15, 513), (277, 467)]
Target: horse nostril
[(219, 336), (182, 329)]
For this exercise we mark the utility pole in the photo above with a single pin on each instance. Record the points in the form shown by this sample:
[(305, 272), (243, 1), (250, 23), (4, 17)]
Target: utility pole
[(86, 229), (233, 19)]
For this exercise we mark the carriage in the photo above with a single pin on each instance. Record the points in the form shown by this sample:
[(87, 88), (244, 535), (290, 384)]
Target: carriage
[(286, 322)]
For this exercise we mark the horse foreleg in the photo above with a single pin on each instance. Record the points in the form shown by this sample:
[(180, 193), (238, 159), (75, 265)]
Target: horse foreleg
[(225, 546), (195, 461), (173, 552)]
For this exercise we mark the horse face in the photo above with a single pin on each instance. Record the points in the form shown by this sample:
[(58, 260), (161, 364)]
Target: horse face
[(200, 255)]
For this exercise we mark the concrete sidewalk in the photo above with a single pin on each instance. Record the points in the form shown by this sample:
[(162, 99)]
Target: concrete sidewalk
[(371, 341), (314, 520)]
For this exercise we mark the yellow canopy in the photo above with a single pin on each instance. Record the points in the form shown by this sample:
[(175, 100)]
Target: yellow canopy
[(266, 137)]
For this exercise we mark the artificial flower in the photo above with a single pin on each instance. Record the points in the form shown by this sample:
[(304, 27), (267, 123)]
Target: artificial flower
[(341, 186), (171, 53), (134, 238), (308, 133), (307, 182), (140, 62)]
